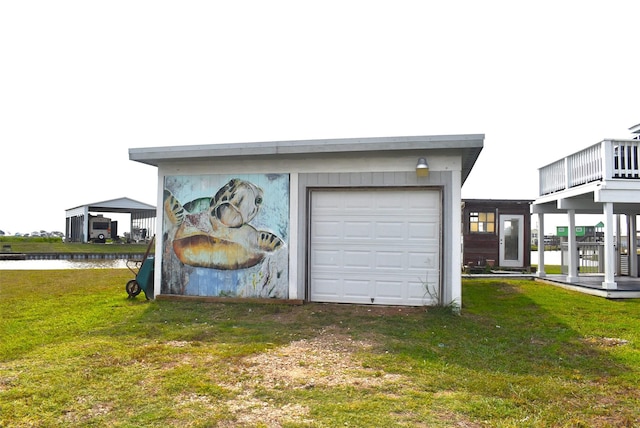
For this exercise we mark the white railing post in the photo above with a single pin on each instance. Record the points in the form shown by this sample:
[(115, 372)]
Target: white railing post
[(584, 166), (552, 178), (606, 149), (541, 181), (572, 272), (609, 248), (635, 166), (541, 272)]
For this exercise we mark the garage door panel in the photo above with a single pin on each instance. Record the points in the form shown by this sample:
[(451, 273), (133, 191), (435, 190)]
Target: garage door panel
[(323, 204), (421, 231), (389, 290), (390, 230), (358, 230), (374, 244), (418, 291), (392, 201), (421, 261), (326, 258), (415, 289), (432, 263), (357, 202), (390, 260), (357, 259), (368, 260), (327, 287), (429, 201), (352, 290), (327, 230), (357, 288)]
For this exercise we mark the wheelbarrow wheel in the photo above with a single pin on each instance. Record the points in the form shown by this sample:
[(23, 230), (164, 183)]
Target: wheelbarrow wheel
[(133, 288)]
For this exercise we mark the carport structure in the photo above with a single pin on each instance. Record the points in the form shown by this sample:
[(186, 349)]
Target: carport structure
[(142, 223)]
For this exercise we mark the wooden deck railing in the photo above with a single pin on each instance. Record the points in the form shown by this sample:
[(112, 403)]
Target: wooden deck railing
[(607, 160)]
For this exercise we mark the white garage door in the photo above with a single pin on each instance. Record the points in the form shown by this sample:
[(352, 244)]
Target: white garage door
[(375, 246)]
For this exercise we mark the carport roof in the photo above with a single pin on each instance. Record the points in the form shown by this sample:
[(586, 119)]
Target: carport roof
[(119, 205), (469, 145)]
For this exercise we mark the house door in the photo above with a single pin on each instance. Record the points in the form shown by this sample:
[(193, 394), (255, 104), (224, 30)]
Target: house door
[(511, 240)]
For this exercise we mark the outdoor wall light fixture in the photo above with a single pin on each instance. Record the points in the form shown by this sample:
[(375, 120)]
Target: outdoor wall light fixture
[(422, 168)]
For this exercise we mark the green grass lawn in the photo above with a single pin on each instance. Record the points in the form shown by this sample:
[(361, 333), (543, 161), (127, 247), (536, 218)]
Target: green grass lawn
[(75, 351), (551, 269), (30, 245)]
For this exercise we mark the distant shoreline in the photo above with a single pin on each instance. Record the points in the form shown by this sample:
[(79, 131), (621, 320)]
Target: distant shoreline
[(71, 256)]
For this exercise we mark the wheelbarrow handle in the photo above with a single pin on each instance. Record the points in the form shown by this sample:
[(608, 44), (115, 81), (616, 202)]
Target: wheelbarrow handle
[(134, 265), (149, 248)]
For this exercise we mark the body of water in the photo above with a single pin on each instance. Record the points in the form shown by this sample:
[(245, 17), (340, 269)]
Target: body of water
[(64, 264)]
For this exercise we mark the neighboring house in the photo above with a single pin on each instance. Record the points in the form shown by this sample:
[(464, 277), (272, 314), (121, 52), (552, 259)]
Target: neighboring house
[(583, 233), (496, 233), (601, 179), (367, 221), (534, 237)]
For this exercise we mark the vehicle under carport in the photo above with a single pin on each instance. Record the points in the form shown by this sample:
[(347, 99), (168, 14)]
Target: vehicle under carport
[(142, 220)]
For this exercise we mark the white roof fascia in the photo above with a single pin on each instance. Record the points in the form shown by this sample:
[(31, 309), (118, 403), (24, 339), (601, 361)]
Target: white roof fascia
[(468, 146), (153, 155), (126, 203)]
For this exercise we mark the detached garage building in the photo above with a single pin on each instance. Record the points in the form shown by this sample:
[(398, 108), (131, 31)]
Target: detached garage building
[(365, 221)]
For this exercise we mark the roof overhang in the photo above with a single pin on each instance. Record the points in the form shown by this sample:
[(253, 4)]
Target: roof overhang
[(468, 146), (120, 205)]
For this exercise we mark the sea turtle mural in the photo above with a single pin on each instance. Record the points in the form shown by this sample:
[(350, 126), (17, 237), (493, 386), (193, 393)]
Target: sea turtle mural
[(231, 244), (215, 232)]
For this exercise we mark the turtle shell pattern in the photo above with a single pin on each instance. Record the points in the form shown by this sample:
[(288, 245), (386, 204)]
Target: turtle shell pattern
[(218, 235)]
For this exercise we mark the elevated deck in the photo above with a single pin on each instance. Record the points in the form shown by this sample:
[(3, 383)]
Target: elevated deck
[(613, 161), (602, 179)]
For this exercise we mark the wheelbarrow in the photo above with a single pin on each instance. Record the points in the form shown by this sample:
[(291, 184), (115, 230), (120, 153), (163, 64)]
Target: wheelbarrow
[(144, 272)]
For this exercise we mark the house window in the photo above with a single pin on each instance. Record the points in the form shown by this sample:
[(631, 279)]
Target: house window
[(482, 222)]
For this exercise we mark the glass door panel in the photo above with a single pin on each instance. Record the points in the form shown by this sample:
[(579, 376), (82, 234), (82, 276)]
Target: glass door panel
[(511, 240)]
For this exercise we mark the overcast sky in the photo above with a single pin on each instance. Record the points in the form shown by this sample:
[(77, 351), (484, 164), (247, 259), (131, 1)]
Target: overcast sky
[(81, 82)]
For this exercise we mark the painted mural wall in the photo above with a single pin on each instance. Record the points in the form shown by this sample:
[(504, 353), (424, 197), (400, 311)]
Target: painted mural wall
[(226, 235)]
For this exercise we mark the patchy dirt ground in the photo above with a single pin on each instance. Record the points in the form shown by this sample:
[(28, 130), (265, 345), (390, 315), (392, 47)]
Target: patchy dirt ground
[(326, 360), (605, 342)]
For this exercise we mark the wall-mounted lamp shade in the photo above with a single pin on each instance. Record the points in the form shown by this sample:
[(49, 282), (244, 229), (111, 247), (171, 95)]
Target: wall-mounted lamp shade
[(422, 169)]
